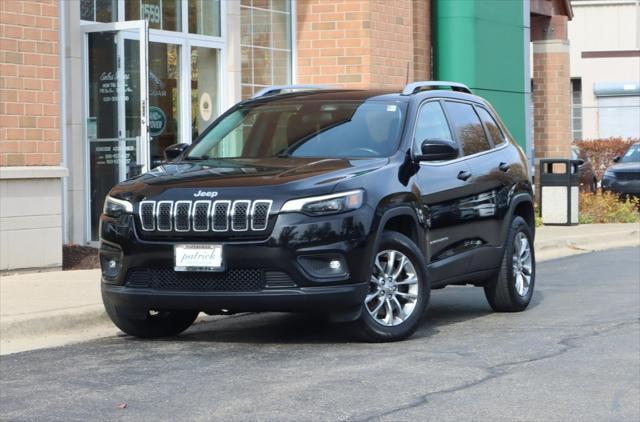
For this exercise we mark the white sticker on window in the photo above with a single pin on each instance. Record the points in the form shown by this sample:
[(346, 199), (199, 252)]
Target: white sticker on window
[(392, 107)]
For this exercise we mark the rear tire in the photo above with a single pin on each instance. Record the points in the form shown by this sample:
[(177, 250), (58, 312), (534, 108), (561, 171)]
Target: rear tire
[(511, 290), (391, 311), (149, 324)]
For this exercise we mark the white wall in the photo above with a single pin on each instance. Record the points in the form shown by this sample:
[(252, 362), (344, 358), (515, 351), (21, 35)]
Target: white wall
[(603, 25)]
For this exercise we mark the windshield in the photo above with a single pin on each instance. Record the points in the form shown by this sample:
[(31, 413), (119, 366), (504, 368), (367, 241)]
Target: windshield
[(632, 155), (304, 129)]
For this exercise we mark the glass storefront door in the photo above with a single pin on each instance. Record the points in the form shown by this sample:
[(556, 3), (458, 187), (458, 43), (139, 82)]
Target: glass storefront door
[(116, 108), (145, 89)]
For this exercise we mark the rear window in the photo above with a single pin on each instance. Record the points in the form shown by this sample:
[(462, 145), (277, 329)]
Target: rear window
[(305, 129), (492, 127)]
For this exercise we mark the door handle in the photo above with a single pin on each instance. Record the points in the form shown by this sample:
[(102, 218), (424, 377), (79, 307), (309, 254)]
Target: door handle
[(464, 175), (504, 167)]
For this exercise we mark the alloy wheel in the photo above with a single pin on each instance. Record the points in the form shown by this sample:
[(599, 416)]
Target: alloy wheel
[(394, 288), (522, 268)]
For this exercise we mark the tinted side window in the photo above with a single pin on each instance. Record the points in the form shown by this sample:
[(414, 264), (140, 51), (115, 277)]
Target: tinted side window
[(492, 127), (468, 128), (431, 124)]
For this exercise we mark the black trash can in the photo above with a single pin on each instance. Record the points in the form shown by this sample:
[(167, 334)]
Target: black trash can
[(559, 191)]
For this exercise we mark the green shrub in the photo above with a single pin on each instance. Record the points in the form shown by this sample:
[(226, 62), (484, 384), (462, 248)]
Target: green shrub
[(608, 208)]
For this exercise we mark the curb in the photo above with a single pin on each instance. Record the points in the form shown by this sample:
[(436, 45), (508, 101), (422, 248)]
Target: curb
[(558, 248), (47, 323)]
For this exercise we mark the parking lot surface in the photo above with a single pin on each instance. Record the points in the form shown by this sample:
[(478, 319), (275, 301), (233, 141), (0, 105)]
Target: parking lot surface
[(573, 355)]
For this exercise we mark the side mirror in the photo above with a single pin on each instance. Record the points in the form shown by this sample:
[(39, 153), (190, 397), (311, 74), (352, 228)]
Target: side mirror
[(438, 150), (173, 151), (615, 160)]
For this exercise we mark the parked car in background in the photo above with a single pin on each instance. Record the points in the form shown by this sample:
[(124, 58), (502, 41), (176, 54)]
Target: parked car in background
[(623, 177), (588, 179)]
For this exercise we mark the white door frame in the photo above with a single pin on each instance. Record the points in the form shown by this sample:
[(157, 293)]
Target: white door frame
[(134, 30)]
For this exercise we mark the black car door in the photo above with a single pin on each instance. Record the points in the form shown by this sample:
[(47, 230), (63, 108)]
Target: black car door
[(443, 186), (485, 208)]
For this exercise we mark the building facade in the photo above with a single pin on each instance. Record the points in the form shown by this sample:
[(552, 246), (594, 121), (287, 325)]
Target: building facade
[(605, 69), (93, 91)]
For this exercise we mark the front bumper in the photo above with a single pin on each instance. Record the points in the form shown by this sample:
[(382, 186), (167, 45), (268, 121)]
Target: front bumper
[(285, 300), (621, 187), (294, 236)]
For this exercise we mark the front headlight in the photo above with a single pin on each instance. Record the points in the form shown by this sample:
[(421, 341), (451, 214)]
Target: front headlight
[(326, 204), (114, 207)]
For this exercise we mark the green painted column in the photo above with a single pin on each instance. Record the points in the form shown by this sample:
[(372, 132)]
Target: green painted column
[(485, 44)]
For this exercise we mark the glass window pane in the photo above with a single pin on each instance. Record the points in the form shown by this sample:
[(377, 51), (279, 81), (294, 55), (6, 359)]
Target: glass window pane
[(468, 128), (204, 17), (263, 4), (247, 64), (280, 30), (164, 99), (431, 124), (492, 127), (87, 10), (281, 5), (262, 66), (281, 67), (261, 33), (266, 42), (161, 14), (99, 10), (204, 88), (245, 26)]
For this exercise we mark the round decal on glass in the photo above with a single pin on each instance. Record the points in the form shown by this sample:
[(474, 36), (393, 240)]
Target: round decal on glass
[(157, 121), (206, 107)]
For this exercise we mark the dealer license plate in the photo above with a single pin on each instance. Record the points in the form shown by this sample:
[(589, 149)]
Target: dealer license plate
[(198, 257)]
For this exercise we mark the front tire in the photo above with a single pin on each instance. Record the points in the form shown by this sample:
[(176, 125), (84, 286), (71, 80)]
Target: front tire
[(511, 290), (398, 291), (147, 323)]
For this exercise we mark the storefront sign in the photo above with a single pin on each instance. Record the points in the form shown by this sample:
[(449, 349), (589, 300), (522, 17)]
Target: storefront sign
[(151, 12), (157, 121)]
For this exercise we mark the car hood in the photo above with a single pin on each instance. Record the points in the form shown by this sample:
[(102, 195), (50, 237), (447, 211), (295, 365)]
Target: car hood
[(293, 173), (633, 166)]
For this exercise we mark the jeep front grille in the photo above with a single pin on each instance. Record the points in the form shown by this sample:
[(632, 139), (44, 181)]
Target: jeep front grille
[(203, 216)]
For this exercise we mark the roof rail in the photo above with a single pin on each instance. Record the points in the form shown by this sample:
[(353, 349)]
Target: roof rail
[(278, 89), (413, 87)]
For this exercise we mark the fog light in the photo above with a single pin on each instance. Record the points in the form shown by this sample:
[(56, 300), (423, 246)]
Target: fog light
[(323, 266), (110, 261)]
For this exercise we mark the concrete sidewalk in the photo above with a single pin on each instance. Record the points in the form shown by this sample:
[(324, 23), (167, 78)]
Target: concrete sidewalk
[(54, 308)]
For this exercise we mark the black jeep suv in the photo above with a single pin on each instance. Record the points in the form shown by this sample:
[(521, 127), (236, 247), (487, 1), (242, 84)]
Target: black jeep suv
[(347, 202)]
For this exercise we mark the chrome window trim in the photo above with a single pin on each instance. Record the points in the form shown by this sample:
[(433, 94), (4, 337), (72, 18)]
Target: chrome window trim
[(233, 214), (193, 215), (158, 216), (213, 215), (175, 216), (153, 215), (253, 208)]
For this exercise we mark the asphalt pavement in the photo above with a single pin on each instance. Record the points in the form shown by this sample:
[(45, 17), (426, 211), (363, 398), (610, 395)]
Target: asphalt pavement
[(573, 355)]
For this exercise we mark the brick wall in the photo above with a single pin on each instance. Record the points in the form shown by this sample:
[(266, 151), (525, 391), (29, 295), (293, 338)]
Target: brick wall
[(421, 40), (362, 43), (29, 83), (552, 99)]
